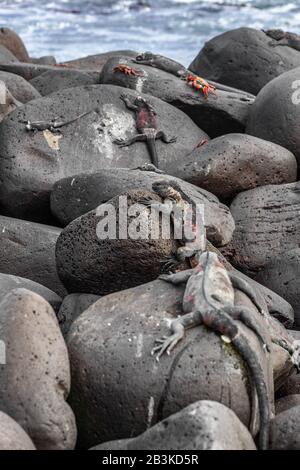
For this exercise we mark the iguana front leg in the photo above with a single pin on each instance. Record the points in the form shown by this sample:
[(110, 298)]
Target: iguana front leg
[(178, 326), (160, 135), (128, 103), (177, 278)]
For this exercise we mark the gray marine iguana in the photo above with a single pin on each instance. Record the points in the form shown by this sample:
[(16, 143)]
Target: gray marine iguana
[(177, 203), (209, 300), (146, 124), (174, 197), (283, 38), (54, 125)]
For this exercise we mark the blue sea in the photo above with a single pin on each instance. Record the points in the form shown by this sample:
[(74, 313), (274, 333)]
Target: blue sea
[(69, 29)]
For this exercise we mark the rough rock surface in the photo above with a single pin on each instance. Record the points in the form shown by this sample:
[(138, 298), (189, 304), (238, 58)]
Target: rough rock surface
[(9, 282), (244, 58), (204, 425), (233, 163), (285, 403), (14, 44), (12, 436), (35, 381), (96, 61), (6, 56), (110, 343), (282, 275), (285, 430), (30, 71), (87, 263), (275, 114), (72, 306), (59, 79), (7, 102), (87, 191), (266, 221), (27, 249), (220, 113), (20, 89), (32, 162)]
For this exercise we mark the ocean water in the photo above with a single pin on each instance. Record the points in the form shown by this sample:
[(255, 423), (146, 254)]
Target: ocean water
[(69, 29)]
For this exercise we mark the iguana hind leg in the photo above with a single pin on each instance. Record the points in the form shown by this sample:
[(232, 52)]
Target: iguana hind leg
[(244, 315), (245, 287), (132, 140)]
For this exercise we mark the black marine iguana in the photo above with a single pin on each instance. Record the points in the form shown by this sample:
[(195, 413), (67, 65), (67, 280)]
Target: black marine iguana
[(146, 124), (283, 38), (209, 300), (54, 125)]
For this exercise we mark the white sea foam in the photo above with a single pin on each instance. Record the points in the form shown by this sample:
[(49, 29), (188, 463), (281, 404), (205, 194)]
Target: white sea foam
[(176, 28)]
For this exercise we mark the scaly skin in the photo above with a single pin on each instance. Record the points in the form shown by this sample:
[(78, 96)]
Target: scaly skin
[(175, 68), (209, 300), (54, 125), (176, 202), (283, 38), (146, 124)]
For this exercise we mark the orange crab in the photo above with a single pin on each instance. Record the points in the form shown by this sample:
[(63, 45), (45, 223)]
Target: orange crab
[(200, 84), (127, 70)]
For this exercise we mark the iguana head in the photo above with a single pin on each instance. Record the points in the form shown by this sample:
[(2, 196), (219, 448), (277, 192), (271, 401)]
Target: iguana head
[(144, 57), (167, 189)]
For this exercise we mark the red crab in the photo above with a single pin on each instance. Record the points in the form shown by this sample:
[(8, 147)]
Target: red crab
[(200, 84), (127, 70)]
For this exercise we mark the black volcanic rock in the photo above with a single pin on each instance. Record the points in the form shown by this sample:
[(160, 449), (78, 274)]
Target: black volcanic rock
[(233, 163), (204, 425), (220, 113), (32, 162), (87, 191), (244, 58), (275, 114)]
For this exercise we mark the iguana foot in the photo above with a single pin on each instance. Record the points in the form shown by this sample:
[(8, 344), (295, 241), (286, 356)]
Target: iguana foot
[(296, 355), (149, 167), (121, 142), (169, 263), (147, 201), (127, 70), (166, 344)]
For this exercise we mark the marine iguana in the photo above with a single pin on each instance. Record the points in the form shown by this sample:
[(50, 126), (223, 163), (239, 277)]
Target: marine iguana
[(209, 300), (283, 38), (175, 68), (176, 203), (54, 125), (146, 124)]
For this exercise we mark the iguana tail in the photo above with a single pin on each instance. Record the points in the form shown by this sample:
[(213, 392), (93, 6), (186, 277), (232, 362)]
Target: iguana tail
[(152, 150), (226, 326), (249, 356)]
